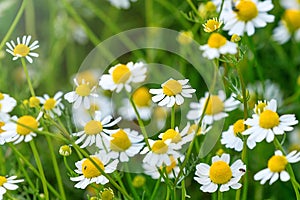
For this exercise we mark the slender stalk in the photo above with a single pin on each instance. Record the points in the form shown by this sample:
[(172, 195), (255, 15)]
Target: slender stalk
[(27, 76), (14, 24), (30, 18), (183, 190), (40, 168), (220, 195), (222, 5), (67, 165), (56, 169), (118, 178), (2, 160), (155, 189), (173, 117), (194, 8), (129, 181)]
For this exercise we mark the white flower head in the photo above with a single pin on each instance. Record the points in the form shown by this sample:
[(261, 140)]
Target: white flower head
[(231, 139), (176, 136), (4, 136), (268, 124), (23, 49), (122, 144), (89, 172), (121, 4), (276, 167), (217, 107), (93, 130), (220, 174), (7, 103), (216, 45), (160, 152), (8, 183), (172, 92), (18, 132), (247, 15), (81, 94), (121, 76), (52, 105)]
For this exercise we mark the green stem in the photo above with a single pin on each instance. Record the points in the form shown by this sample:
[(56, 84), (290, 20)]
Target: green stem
[(118, 178), (27, 77), (40, 168), (173, 112), (129, 181), (14, 24), (30, 18), (156, 187), (2, 160), (56, 168), (222, 5), (194, 8), (67, 165), (183, 190), (220, 195)]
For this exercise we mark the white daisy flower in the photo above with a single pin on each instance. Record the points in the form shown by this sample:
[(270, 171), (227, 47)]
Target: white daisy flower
[(122, 76), (81, 94), (99, 103), (176, 136), (8, 183), (142, 100), (122, 144), (276, 167), (160, 152), (93, 130), (172, 92), (288, 26), (4, 136), (53, 106), (216, 45), (268, 124), (247, 15), (220, 174), (19, 132), (121, 4), (231, 138), (217, 107), (89, 173), (23, 49), (171, 170), (7, 103)]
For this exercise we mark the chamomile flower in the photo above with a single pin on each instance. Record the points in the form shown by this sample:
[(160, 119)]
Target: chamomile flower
[(122, 144), (247, 15), (23, 49), (171, 170), (52, 105), (268, 124), (7, 103), (93, 130), (8, 183), (4, 136), (216, 45), (21, 133), (121, 76), (176, 136), (89, 172), (160, 152), (288, 26), (276, 167), (121, 4), (231, 139), (217, 107), (142, 100), (81, 94), (172, 92), (212, 25), (220, 174)]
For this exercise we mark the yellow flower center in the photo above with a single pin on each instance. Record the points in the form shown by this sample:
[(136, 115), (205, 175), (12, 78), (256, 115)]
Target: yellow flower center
[(28, 121), (1, 96), (1, 125), (93, 127), (291, 18), (220, 172), (246, 10), (34, 102), (120, 142), (49, 104), (159, 147), (216, 40), (211, 25), (21, 50), (107, 194), (2, 180), (268, 119), (170, 167), (210, 7), (141, 97), (235, 38), (121, 74), (238, 127), (83, 90), (89, 170), (172, 87), (277, 163), (87, 76), (171, 134), (214, 106), (259, 108)]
